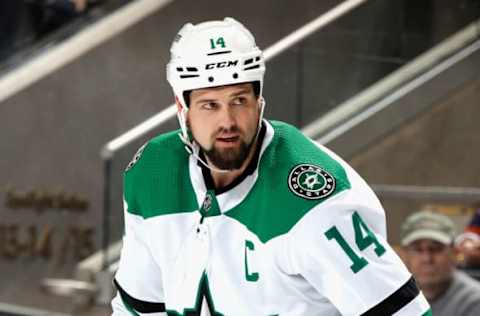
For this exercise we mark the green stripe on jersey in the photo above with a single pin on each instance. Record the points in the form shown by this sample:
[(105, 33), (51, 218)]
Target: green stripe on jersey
[(159, 182), (428, 313), (271, 208)]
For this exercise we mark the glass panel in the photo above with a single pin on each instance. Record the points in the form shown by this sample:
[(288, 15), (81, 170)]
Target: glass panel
[(355, 51)]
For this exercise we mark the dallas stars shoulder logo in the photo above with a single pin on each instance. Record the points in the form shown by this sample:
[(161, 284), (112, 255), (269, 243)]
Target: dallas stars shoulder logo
[(311, 182)]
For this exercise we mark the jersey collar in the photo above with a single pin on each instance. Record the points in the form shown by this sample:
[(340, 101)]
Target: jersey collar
[(231, 195)]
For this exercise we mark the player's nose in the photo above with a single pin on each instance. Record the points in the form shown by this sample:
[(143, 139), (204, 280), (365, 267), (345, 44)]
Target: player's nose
[(227, 118)]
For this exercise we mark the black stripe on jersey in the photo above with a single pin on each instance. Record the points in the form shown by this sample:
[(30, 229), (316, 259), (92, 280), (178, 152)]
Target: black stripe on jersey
[(396, 301), (138, 305)]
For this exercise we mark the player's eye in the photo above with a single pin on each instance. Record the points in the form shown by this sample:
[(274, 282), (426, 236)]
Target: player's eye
[(239, 101), (209, 106)]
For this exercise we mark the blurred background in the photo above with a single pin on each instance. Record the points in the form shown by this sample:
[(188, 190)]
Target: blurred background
[(392, 86)]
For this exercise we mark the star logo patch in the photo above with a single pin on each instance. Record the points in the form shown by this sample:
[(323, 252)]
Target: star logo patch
[(311, 182)]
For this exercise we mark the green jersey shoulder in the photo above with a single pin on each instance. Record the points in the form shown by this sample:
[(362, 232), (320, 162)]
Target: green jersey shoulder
[(157, 181), (293, 176)]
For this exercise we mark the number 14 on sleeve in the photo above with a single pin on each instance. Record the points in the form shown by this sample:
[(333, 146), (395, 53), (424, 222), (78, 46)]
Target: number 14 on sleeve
[(364, 237)]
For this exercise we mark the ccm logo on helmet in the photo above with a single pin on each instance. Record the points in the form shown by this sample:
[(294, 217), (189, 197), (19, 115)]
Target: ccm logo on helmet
[(222, 64)]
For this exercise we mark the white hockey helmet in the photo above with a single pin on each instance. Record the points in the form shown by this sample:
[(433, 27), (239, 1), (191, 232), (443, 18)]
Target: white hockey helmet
[(214, 53)]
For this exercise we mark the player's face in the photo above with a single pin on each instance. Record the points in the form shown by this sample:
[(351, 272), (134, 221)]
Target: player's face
[(431, 262), (223, 121)]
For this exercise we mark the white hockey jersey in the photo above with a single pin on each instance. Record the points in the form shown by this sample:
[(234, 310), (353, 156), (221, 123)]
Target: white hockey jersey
[(299, 234)]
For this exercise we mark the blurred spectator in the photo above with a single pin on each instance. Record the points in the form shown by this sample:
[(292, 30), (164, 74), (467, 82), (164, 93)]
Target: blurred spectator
[(427, 240), (22, 22), (10, 15), (468, 246), (49, 15)]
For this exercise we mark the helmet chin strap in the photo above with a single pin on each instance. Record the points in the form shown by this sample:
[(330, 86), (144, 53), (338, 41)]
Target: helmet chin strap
[(193, 148), (261, 105)]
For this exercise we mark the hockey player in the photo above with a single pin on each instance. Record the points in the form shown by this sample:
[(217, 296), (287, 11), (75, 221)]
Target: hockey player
[(240, 216)]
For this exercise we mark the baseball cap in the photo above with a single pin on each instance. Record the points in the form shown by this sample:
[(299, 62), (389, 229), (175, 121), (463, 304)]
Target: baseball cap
[(427, 225)]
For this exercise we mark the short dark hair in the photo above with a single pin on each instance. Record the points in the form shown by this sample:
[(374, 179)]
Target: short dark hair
[(256, 91)]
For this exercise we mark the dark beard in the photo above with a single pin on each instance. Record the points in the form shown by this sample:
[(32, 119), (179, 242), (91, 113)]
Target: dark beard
[(229, 159)]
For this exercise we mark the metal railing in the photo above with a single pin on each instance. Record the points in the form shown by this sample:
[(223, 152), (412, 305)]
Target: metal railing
[(465, 195), (374, 99)]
